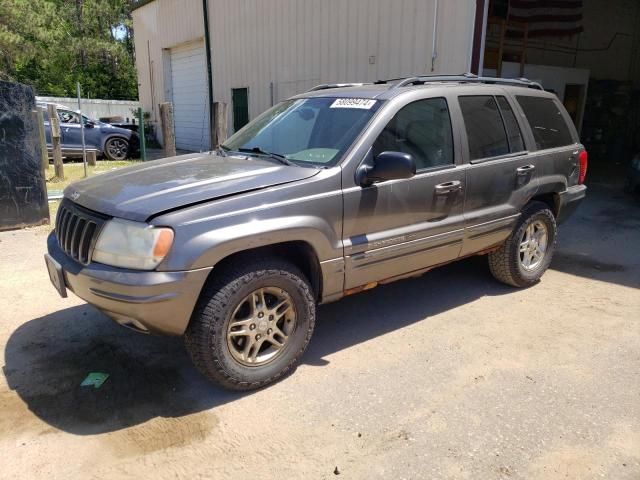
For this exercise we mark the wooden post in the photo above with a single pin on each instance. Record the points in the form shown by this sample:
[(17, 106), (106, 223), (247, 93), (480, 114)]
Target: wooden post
[(219, 123), (91, 158), (54, 122), (38, 118), (168, 133), (38, 115)]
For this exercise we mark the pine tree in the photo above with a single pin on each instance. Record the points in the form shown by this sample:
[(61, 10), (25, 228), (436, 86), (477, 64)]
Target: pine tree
[(52, 44)]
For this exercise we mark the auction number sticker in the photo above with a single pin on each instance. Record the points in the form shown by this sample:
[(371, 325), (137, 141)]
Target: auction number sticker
[(363, 103)]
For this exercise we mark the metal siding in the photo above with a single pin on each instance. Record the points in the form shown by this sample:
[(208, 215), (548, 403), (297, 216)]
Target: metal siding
[(163, 24), (298, 43)]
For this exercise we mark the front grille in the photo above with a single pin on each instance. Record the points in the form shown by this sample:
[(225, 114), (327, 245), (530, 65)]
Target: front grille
[(77, 231)]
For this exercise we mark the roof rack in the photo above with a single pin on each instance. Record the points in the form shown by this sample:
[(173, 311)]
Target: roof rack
[(326, 86), (463, 78), (422, 79)]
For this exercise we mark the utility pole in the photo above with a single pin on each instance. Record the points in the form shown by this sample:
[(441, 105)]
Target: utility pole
[(84, 148), (207, 47)]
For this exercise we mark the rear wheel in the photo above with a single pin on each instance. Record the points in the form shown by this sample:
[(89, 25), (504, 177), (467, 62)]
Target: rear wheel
[(252, 324), (527, 253), (116, 148)]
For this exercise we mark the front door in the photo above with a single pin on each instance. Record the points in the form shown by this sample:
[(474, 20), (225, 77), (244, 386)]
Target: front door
[(401, 226), (71, 131)]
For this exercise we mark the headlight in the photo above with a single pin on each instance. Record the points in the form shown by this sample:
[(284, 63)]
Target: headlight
[(127, 244)]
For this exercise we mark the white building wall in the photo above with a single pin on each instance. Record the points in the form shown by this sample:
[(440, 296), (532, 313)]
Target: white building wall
[(278, 48), (159, 26), (296, 44)]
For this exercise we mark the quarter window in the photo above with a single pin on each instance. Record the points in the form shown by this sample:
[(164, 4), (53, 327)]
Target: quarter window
[(549, 127), (421, 129), (485, 131), (513, 130)]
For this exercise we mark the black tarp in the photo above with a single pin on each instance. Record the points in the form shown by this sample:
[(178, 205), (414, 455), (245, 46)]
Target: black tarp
[(23, 195)]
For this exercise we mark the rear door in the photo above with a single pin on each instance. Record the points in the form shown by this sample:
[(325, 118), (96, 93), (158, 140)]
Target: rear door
[(556, 141), (501, 171), (401, 226)]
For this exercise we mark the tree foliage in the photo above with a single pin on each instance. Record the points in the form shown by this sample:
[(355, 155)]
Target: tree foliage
[(52, 44)]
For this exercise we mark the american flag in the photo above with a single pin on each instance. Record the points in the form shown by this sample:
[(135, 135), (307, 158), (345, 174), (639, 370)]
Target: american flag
[(548, 18)]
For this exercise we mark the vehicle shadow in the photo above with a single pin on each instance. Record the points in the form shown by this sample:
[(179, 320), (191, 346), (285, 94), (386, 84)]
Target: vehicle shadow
[(47, 358)]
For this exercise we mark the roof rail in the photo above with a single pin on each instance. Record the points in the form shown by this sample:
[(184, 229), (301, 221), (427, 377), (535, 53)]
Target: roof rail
[(326, 86), (463, 78)]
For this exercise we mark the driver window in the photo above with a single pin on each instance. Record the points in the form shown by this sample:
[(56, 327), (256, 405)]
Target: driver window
[(421, 129), (67, 116)]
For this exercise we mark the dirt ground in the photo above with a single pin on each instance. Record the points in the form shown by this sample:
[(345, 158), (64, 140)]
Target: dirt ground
[(451, 375)]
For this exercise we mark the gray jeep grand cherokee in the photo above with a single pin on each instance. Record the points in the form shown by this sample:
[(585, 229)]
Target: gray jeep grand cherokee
[(329, 193)]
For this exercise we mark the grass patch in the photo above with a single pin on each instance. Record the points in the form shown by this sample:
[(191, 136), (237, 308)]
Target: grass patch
[(72, 173), (75, 171)]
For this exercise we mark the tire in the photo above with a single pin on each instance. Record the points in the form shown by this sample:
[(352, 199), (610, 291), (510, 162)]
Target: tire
[(217, 349), (507, 264), (116, 148)]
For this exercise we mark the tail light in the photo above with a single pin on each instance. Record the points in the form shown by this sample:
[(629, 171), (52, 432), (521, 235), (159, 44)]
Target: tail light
[(583, 160)]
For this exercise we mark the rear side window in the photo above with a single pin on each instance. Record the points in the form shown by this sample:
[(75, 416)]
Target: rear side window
[(513, 130), (547, 123), (485, 131)]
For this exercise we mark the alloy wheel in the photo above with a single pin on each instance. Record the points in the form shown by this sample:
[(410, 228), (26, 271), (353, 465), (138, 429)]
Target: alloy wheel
[(261, 326), (118, 148), (533, 245)]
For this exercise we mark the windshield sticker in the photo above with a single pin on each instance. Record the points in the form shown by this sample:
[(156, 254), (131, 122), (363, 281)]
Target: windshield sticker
[(362, 103)]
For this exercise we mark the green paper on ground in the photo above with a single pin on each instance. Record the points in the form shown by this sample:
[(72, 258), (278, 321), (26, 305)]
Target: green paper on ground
[(94, 379)]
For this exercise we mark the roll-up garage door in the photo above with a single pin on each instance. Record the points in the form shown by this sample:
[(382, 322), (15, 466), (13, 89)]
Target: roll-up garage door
[(190, 97)]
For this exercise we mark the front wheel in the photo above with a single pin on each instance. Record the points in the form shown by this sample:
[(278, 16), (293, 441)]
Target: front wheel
[(252, 324), (527, 253), (116, 148)]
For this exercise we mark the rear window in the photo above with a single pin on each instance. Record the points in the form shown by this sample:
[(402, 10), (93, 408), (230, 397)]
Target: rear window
[(485, 131), (549, 127)]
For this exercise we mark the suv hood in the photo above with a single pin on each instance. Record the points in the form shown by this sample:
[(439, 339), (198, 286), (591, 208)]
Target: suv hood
[(141, 191)]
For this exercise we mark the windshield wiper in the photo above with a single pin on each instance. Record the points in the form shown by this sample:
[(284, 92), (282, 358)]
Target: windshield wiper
[(276, 156), (223, 149)]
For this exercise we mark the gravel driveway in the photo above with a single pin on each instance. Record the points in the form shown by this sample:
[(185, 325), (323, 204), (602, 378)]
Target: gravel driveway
[(450, 375)]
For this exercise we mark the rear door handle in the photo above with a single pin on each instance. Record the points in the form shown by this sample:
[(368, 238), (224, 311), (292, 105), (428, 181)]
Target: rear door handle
[(448, 187), (524, 170)]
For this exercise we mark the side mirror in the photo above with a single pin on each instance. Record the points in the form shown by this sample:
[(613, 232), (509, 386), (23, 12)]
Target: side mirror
[(89, 124), (387, 166)]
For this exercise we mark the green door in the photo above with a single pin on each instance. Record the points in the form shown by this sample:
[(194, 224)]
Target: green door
[(240, 100)]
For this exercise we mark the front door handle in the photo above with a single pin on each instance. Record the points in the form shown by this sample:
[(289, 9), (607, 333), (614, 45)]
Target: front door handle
[(526, 169), (448, 187)]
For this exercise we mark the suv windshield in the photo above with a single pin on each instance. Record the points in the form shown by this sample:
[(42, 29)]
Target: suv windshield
[(306, 131)]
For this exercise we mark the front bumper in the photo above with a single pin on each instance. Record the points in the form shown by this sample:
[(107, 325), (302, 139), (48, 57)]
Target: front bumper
[(569, 201), (152, 302)]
